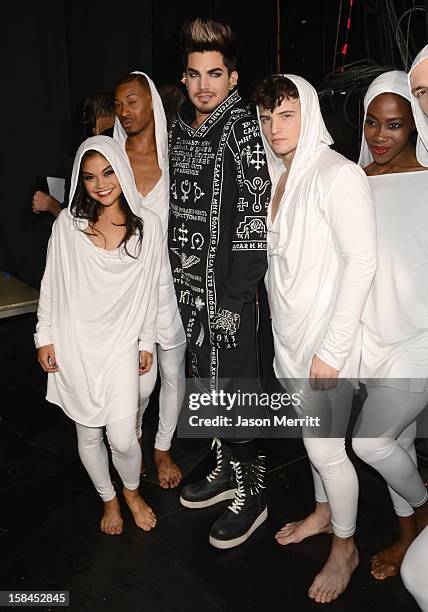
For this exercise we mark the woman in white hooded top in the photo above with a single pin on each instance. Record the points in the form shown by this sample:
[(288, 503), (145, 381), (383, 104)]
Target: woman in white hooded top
[(97, 318), (321, 261), (416, 560), (394, 361), (141, 128)]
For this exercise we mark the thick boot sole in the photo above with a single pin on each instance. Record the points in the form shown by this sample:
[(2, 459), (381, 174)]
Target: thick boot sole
[(225, 544), (206, 503)]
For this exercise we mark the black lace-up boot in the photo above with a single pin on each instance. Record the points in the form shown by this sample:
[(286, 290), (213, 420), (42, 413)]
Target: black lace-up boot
[(219, 485), (248, 509)]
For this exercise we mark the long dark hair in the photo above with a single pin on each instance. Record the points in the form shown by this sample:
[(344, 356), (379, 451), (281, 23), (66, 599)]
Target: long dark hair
[(85, 207)]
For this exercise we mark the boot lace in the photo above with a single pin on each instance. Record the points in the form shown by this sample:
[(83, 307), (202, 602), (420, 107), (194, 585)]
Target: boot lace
[(219, 456), (249, 481)]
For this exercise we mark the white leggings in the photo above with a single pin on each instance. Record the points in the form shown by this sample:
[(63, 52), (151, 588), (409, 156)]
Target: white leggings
[(392, 453), (171, 368), (335, 479), (125, 452), (414, 568)]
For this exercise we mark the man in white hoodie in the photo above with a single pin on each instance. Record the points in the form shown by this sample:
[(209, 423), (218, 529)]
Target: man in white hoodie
[(321, 261), (418, 84), (141, 128), (418, 78), (413, 568)]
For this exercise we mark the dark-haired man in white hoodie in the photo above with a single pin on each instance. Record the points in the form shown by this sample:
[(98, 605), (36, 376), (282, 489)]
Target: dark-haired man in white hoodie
[(321, 261)]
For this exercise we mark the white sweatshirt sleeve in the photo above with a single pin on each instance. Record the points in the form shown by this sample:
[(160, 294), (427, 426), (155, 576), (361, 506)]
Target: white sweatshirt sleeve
[(147, 339), (43, 335), (350, 212)]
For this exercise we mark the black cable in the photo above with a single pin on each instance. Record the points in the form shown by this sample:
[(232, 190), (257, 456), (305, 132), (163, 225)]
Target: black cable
[(337, 35), (346, 43), (366, 29), (409, 12), (352, 75), (324, 38), (345, 107)]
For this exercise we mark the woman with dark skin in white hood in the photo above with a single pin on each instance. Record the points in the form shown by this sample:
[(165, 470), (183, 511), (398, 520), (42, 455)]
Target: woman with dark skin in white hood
[(394, 362), (97, 319), (321, 262)]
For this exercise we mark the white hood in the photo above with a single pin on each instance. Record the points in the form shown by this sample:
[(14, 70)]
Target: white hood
[(314, 136), (170, 332), (161, 132), (394, 81), (321, 249), (119, 161), (420, 119)]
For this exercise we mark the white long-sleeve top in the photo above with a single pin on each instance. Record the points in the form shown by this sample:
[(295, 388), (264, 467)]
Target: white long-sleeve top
[(170, 331), (99, 308), (395, 318), (321, 252)]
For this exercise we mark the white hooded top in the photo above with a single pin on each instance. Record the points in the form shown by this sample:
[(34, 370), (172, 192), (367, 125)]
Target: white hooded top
[(420, 119), (170, 332), (97, 307), (321, 251), (394, 81), (395, 319)]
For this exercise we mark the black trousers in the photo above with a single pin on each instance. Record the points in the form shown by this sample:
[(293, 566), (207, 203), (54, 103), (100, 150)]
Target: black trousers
[(246, 451)]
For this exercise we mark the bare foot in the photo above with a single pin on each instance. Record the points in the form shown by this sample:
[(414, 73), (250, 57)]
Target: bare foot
[(317, 522), (169, 474), (111, 522), (336, 573), (387, 563), (144, 516)]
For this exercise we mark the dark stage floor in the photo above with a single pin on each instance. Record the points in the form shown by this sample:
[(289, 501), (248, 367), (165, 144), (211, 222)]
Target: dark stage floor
[(50, 513)]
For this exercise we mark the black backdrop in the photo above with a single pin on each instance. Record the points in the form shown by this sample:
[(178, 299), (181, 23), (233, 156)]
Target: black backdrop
[(55, 52), (58, 51)]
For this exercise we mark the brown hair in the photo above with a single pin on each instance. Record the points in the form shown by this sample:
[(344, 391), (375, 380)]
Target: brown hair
[(172, 98), (206, 35), (272, 91), (100, 102)]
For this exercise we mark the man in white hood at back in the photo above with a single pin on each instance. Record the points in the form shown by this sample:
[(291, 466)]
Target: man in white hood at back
[(413, 569), (321, 261), (418, 84)]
